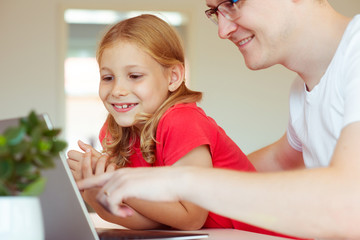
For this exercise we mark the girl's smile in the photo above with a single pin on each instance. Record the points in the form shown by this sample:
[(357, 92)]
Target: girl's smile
[(124, 107)]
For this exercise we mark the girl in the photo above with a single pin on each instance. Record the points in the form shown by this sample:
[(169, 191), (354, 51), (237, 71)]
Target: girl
[(154, 121)]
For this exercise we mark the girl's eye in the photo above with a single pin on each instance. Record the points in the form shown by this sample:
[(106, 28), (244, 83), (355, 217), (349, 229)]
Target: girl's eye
[(135, 76), (107, 78)]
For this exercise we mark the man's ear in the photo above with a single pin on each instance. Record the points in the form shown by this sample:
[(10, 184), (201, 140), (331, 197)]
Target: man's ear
[(177, 73)]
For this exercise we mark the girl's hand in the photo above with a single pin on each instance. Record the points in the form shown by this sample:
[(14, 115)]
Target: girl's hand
[(90, 168), (88, 164)]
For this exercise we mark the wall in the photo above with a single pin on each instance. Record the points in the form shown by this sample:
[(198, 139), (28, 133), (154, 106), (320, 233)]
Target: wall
[(250, 106)]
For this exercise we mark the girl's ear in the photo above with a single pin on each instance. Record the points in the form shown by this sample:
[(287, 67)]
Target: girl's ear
[(177, 73)]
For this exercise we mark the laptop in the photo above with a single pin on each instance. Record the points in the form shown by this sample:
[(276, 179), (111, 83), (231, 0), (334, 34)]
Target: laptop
[(65, 214)]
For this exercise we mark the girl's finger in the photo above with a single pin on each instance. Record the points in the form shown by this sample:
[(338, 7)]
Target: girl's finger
[(100, 165), (74, 164), (77, 175), (86, 168), (85, 146), (111, 167), (75, 155)]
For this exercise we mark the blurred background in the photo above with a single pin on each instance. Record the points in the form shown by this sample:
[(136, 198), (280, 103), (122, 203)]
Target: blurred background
[(47, 50)]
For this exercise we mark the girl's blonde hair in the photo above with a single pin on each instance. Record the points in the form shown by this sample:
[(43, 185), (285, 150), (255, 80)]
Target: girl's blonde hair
[(161, 42)]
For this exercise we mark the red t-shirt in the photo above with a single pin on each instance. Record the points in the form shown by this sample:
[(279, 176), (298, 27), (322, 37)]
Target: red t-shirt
[(184, 127)]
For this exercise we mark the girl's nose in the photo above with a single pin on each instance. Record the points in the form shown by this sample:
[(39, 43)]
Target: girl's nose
[(225, 27), (119, 89)]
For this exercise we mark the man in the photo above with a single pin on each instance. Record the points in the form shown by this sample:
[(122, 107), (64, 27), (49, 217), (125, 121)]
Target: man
[(323, 201)]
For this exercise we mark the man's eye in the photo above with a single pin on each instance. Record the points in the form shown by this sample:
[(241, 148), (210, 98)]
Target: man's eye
[(213, 11)]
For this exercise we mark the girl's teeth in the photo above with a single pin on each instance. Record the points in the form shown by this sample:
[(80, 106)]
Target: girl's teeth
[(124, 106)]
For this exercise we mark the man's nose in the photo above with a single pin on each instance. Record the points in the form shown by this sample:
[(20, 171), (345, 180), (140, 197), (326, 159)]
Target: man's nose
[(225, 27)]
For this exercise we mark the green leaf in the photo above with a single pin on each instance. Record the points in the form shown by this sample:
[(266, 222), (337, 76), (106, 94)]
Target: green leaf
[(30, 122), (51, 133), (3, 146), (35, 135), (28, 178), (35, 188), (23, 168), (4, 191), (15, 135), (44, 161), (4, 151), (6, 168), (3, 140), (58, 146), (33, 119), (20, 148), (44, 146)]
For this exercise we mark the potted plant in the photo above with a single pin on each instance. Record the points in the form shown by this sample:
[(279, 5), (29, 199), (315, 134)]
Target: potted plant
[(25, 150)]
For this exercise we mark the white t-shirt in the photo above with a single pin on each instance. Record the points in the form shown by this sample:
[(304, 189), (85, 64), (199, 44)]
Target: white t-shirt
[(317, 117)]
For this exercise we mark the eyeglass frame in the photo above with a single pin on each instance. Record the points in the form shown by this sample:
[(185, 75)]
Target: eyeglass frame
[(211, 13)]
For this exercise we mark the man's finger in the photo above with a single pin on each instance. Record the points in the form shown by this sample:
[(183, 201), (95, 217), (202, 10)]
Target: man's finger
[(96, 181)]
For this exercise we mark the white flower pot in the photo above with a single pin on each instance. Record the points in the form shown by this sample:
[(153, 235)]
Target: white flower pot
[(21, 218)]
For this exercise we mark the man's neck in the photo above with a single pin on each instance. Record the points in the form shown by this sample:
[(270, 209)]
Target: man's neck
[(321, 35)]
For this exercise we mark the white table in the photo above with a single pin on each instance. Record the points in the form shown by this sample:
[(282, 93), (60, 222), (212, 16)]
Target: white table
[(214, 234)]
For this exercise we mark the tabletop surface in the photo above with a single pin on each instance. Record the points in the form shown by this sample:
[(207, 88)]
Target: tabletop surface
[(214, 234)]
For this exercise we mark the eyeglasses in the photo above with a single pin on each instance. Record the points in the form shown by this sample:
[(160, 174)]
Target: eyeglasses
[(228, 9)]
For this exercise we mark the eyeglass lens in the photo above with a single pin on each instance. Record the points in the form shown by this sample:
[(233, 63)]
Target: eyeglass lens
[(228, 9)]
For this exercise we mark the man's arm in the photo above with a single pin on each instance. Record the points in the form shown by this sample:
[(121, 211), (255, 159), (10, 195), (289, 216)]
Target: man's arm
[(181, 215), (309, 203), (278, 156), (321, 203)]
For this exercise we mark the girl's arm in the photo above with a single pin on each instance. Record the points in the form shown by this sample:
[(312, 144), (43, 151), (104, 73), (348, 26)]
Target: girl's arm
[(150, 215), (92, 163), (133, 221), (180, 215)]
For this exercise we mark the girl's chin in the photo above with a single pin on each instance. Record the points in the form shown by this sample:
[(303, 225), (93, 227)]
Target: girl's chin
[(124, 124)]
